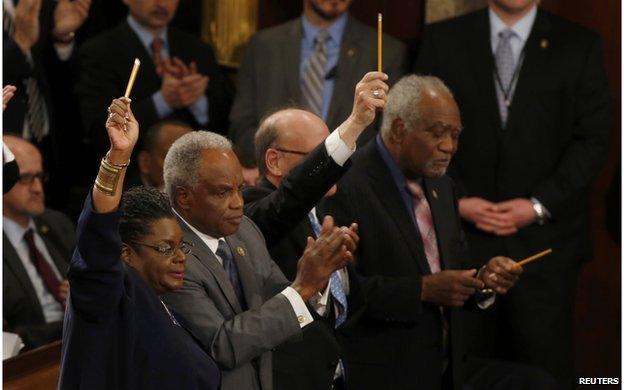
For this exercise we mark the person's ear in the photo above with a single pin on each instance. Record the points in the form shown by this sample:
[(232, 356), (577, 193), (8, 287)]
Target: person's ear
[(272, 161), (128, 255), (183, 198), (144, 160), (397, 131)]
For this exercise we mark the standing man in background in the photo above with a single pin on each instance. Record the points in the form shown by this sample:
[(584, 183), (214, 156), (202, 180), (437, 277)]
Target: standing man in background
[(313, 61), (536, 110)]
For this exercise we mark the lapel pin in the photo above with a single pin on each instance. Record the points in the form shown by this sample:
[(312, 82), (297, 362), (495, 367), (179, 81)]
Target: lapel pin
[(44, 229), (351, 52), (240, 251), (435, 194), (544, 43)]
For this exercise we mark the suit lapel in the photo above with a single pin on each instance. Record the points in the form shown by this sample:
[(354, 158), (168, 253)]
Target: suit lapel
[(204, 255), (438, 213), (245, 272), (385, 189), (292, 49), (48, 238), (479, 51), (535, 58), (347, 76), (132, 45), (13, 261)]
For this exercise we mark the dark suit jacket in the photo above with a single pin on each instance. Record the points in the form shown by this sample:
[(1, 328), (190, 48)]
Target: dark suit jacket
[(21, 308), (401, 346), (281, 214), (556, 136), (269, 75), (117, 333), (105, 63), (240, 339)]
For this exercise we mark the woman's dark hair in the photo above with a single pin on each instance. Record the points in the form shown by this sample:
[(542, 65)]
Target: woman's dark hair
[(140, 207)]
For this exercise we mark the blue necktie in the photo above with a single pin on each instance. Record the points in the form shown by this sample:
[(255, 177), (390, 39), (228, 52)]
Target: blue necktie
[(336, 289), (224, 252)]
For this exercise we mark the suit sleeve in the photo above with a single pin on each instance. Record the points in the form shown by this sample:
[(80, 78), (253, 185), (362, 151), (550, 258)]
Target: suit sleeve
[(244, 115), (280, 211), (587, 150), (96, 272)]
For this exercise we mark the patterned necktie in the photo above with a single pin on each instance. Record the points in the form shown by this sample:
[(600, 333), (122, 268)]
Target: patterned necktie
[(335, 287), (224, 252), (156, 47), (313, 79), (505, 69), (425, 225), (50, 280), (36, 117)]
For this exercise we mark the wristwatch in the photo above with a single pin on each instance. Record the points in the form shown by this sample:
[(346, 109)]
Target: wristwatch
[(540, 213)]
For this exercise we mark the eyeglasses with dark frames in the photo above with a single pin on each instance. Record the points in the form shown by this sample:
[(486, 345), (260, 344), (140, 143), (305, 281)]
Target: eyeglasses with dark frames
[(292, 151), (29, 178), (168, 250)]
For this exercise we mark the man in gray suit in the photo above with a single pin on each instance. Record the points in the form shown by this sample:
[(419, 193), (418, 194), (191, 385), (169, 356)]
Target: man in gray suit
[(313, 61), (37, 247), (235, 299)]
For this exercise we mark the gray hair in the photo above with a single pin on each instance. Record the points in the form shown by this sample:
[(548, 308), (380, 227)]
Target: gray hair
[(183, 159), (404, 100)]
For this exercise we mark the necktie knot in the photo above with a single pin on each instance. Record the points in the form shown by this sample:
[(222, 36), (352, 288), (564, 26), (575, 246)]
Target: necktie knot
[(321, 38), (415, 189), (29, 237), (506, 34)]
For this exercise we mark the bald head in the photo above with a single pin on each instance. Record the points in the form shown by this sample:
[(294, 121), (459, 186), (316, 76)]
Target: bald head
[(284, 138), (26, 198)]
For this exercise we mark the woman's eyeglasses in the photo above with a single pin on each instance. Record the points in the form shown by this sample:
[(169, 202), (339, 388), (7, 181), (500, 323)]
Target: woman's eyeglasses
[(168, 250)]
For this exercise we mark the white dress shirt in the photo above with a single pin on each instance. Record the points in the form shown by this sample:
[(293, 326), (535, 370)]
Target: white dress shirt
[(52, 309)]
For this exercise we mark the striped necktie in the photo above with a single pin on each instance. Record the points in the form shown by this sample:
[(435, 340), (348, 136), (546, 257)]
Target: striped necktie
[(424, 219), (37, 123), (313, 79), (505, 71), (335, 286)]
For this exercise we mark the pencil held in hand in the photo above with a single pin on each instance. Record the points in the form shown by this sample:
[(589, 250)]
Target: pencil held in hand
[(379, 42), (535, 257), (133, 74)]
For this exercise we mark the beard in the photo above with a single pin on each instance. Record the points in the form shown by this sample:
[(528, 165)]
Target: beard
[(328, 16)]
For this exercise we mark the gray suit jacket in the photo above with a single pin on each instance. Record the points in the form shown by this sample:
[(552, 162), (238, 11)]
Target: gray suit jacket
[(240, 341), (269, 75)]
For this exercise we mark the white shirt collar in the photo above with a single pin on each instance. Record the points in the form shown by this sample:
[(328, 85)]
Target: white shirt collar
[(522, 27), (14, 231), (211, 242)]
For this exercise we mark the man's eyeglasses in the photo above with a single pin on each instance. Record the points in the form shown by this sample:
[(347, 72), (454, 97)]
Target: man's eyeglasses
[(29, 178), (292, 151), (168, 250)]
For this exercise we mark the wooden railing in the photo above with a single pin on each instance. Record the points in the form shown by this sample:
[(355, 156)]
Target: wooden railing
[(36, 369)]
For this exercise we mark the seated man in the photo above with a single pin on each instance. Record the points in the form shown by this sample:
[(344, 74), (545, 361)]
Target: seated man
[(234, 298), (179, 76), (156, 142), (37, 245)]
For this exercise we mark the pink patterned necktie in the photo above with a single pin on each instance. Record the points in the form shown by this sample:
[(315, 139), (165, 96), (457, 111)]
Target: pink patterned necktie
[(425, 225)]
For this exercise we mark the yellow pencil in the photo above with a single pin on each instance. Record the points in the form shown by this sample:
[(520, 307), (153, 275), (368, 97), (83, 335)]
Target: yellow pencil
[(379, 41), (133, 74), (533, 258)]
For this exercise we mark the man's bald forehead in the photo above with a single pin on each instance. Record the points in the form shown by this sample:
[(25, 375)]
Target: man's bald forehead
[(19, 146)]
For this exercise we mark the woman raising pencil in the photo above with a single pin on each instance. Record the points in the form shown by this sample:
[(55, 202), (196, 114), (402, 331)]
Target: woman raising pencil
[(118, 334)]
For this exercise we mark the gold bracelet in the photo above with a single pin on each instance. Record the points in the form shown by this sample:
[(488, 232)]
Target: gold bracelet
[(115, 165), (108, 178)]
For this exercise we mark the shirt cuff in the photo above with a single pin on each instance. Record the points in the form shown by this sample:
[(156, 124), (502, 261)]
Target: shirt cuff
[(299, 307), (64, 51), (483, 302), (319, 301), (337, 149), (200, 110), (162, 108), (546, 212), (7, 155)]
